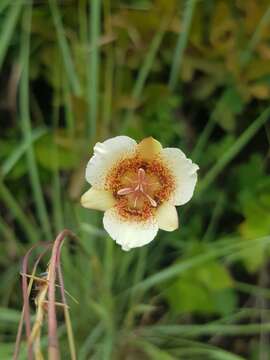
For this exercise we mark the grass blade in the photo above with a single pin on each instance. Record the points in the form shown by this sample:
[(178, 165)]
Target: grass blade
[(89, 342), (234, 150), (109, 66), (9, 27), (203, 139), (207, 329), (63, 45), (93, 69), (181, 43), (146, 68), (20, 150), (17, 212), (4, 4), (187, 264), (26, 124), (255, 38)]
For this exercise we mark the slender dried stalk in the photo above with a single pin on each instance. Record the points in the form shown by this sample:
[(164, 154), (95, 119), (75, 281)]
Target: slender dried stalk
[(47, 290), (26, 303), (53, 345), (67, 317), (26, 292), (40, 313)]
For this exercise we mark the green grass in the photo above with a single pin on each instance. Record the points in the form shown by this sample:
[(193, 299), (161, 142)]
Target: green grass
[(239, 144), (86, 95)]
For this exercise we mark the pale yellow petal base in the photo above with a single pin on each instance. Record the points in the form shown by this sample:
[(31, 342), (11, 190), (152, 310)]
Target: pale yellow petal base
[(149, 148), (167, 217), (98, 199)]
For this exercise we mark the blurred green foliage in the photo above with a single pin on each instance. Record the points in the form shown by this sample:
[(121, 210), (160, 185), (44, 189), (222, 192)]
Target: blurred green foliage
[(190, 277)]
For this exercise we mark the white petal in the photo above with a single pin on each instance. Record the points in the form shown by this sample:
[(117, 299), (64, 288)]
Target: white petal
[(97, 199), (167, 217), (106, 155), (127, 233), (185, 174)]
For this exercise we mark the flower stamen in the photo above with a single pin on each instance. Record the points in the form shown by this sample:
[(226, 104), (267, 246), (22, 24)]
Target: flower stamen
[(125, 191), (152, 201), (138, 189)]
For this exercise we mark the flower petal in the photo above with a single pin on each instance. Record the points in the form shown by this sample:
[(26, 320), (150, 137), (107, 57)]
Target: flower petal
[(129, 233), (105, 156), (167, 217), (97, 199), (184, 172), (149, 148)]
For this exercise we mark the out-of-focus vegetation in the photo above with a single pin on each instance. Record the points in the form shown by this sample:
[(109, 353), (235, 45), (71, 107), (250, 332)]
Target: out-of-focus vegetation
[(193, 74)]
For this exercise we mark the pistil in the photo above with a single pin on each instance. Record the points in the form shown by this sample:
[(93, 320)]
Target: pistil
[(138, 189)]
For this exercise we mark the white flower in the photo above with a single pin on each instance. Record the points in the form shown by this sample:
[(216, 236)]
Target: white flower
[(138, 186)]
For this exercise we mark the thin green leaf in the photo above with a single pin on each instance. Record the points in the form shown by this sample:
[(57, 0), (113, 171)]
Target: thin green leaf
[(181, 43), (146, 68), (93, 69), (20, 150), (234, 150), (63, 45), (26, 123), (185, 265), (8, 29), (18, 213)]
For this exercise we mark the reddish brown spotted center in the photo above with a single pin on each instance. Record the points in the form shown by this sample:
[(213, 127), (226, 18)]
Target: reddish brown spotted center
[(140, 186)]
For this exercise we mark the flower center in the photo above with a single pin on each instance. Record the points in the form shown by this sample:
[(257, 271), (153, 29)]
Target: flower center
[(139, 186), (138, 189)]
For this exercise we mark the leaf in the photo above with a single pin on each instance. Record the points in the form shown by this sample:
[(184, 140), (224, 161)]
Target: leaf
[(214, 276), (252, 185), (225, 301), (53, 153), (201, 290), (229, 105), (186, 296)]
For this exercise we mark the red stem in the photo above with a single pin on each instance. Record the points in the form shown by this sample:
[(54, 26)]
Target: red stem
[(53, 345)]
